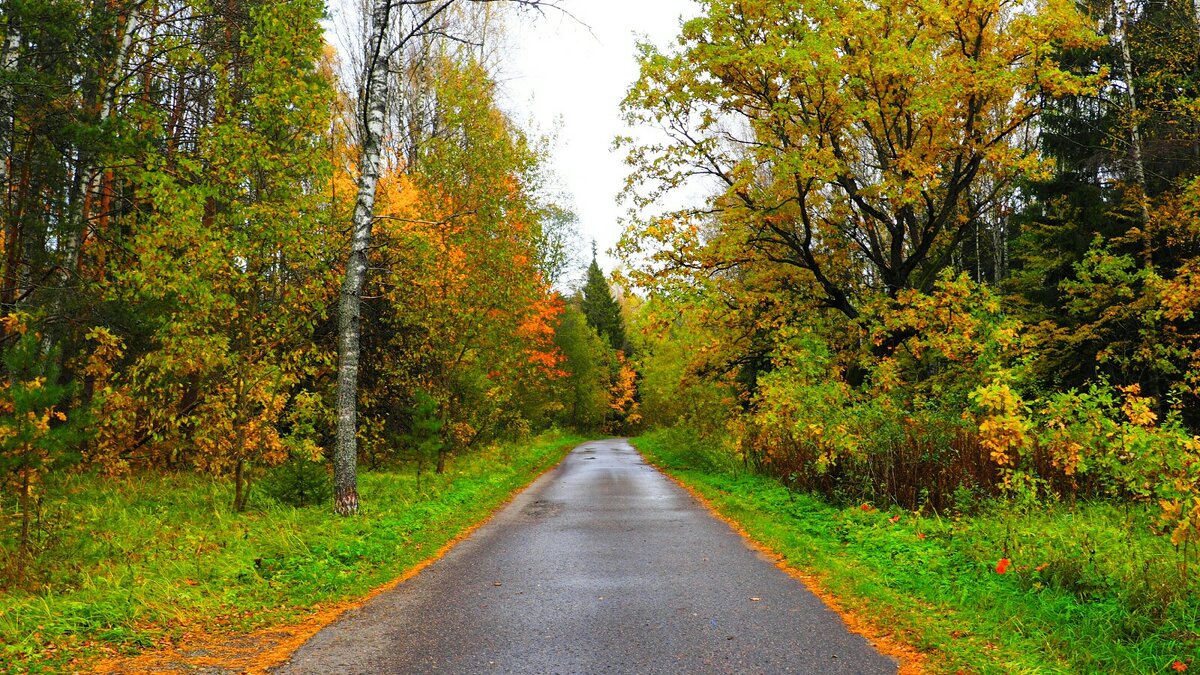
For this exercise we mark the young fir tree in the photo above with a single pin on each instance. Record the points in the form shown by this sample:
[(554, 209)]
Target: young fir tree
[(601, 309), (34, 436)]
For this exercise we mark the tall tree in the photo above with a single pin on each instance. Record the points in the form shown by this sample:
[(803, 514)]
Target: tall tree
[(602, 310), (463, 212), (583, 392), (370, 125), (222, 266), (1103, 231)]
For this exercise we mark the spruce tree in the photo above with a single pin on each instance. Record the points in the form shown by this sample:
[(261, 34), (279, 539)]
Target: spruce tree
[(601, 309)]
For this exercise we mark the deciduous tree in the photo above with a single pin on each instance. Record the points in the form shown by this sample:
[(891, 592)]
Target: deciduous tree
[(847, 140)]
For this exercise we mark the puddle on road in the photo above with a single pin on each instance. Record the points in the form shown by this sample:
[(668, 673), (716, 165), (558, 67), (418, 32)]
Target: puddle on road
[(541, 509)]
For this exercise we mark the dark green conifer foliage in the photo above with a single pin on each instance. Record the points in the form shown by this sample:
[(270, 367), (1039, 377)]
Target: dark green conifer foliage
[(35, 437), (601, 309), (425, 436)]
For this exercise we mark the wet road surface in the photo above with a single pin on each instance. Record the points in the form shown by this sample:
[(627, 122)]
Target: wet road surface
[(602, 566)]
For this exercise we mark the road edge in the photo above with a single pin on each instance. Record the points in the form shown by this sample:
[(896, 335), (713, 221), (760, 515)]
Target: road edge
[(280, 642), (910, 661)]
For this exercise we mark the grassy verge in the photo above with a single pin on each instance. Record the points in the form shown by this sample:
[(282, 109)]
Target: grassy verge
[(148, 559), (1089, 589)]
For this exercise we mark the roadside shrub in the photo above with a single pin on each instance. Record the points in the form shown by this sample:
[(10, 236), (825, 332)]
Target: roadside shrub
[(299, 482), (950, 419), (900, 436)]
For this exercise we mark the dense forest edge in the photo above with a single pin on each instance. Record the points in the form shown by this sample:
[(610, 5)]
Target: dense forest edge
[(928, 308)]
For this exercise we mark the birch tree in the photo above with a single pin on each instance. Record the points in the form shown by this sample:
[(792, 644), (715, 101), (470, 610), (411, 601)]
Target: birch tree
[(1123, 17), (392, 26), (374, 108), (8, 61)]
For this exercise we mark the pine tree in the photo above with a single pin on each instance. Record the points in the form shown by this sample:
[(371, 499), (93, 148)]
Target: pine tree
[(601, 309)]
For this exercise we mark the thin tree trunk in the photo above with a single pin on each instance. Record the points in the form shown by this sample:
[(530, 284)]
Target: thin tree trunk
[(241, 490), (239, 497), (1196, 33), (93, 183), (8, 62), (374, 108), (23, 553), (978, 255), (1135, 135)]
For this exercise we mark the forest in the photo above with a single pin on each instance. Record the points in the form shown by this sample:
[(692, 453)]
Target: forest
[(946, 262), (177, 227)]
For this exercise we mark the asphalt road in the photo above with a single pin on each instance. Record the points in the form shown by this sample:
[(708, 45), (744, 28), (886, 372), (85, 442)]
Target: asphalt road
[(602, 566)]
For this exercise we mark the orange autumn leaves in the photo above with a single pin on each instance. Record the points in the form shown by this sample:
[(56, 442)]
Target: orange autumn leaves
[(463, 313), (475, 276)]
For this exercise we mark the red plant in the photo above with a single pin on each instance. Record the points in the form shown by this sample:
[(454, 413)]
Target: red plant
[(1179, 666), (1002, 566)]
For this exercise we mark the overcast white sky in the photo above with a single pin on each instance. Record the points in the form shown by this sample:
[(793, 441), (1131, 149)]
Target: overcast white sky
[(560, 73)]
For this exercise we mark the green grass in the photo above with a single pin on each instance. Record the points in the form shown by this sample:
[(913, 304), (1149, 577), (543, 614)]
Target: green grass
[(1090, 589), (140, 560)]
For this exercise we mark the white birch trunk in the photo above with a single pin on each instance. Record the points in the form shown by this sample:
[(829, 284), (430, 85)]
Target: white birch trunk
[(374, 109), (71, 245), (1135, 134), (8, 62), (92, 183), (11, 271)]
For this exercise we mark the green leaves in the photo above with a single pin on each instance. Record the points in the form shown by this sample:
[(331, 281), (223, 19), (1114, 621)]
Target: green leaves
[(225, 267), (844, 137)]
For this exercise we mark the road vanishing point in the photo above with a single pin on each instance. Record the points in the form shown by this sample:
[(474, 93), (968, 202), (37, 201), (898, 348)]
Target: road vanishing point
[(602, 565)]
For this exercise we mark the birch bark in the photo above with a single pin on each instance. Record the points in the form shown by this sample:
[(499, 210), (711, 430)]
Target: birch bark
[(9, 277), (374, 110), (1135, 133), (71, 245), (8, 63), (93, 173)]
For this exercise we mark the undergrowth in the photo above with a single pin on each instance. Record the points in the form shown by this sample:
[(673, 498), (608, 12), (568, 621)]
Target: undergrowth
[(1088, 587), (152, 558)]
